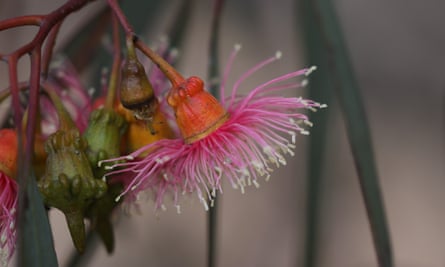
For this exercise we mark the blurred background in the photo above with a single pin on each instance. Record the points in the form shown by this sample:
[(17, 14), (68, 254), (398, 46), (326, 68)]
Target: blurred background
[(396, 48)]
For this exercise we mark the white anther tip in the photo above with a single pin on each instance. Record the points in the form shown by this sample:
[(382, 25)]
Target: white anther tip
[(278, 54), (237, 47), (308, 123), (310, 70)]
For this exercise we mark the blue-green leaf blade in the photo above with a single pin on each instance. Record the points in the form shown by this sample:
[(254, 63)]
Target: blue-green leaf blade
[(348, 92), (320, 90), (36, 246)]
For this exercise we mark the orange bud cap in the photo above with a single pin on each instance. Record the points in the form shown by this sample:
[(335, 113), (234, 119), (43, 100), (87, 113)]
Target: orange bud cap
[(197, 112), (8, 152)]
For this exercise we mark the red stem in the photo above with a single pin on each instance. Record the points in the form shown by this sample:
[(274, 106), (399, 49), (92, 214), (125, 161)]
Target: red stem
[(120, 15), (5, 93), (172, 74), (13, 83), (48, 23), (32, 106), (49, 47), (114, 76), (30, 20)]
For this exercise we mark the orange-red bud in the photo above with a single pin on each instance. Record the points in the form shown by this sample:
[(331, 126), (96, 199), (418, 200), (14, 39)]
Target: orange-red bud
[(197, 112), (8, 152)]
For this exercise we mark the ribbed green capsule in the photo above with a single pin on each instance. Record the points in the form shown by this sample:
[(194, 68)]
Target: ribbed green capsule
[(68, 183), (104, 134)]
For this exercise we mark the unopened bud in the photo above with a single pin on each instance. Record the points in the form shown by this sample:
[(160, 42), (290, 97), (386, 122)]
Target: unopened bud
[(136, 92), (8, 152), (104, 134), (68, 183), (197, 112)]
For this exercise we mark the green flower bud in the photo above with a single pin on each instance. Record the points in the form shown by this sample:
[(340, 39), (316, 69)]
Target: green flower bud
[(68, 183), (104, 134)]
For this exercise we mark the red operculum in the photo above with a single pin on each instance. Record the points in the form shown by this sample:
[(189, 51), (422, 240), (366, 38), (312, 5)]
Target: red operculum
[(197, 112)]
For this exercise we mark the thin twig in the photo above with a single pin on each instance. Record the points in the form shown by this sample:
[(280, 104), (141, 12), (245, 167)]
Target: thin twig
[(49, 47), (114, 76), (32, 20), (168, 70), (174, 76), (13, 84), (122, 18), (47, 23), (5, 93)]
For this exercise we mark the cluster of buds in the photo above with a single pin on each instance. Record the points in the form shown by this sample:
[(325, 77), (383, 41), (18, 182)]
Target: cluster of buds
[(73, 135), (184, 141), (88, 159)]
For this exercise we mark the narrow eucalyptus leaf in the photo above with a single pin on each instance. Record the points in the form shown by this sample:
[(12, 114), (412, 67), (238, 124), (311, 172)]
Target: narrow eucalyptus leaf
[(37, 241), (320, 88), (348, 92)]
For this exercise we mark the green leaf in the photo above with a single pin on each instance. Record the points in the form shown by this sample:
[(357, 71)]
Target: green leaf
[(320, 90), (37, 246), (348, 93)]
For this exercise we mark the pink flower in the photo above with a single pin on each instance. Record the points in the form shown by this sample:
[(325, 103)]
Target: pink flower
[(8, 207), (242, 139), (8, 193)]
